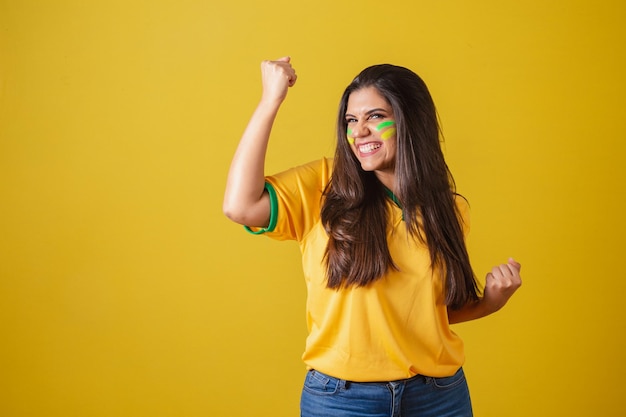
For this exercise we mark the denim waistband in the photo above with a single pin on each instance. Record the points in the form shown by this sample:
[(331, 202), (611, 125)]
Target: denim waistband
[(344, 382)]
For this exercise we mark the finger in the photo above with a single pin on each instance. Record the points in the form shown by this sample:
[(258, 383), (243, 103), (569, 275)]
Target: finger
[(501, 277), (489, 279), (292, 79), (509, 269), (499, 271), (284, 69), (278, 63), (515, 264), (513, 270)]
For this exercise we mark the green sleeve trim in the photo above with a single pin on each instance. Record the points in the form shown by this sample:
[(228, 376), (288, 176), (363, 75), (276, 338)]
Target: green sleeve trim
[(273, 212)]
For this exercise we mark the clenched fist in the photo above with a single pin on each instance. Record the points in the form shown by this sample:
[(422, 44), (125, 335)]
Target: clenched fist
[(277, 77), (501, 283)]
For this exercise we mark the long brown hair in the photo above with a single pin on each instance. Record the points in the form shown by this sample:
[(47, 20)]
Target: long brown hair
[(354, 211)]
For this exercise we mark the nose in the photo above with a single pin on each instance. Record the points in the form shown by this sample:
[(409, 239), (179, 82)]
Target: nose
[(360, 130)]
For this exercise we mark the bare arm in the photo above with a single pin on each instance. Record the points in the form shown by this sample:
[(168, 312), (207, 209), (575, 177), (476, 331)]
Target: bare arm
[(245, 200), (500, 284)]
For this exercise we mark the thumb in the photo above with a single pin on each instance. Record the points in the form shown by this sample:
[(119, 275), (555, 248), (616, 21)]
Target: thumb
[(284, 59)]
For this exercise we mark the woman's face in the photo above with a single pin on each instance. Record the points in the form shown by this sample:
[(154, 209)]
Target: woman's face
[(372, 132)]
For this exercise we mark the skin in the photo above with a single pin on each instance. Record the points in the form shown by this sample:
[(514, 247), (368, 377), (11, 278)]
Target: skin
[(246, 201), (367, 109), (500, 284)]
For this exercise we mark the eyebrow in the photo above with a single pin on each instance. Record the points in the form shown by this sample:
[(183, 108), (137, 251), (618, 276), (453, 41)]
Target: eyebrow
[(367, 113)]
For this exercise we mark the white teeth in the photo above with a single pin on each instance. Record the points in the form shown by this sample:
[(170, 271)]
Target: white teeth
[(369, 147)]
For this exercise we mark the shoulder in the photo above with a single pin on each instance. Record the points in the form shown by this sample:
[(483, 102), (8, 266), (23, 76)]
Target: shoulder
[(314, 172)]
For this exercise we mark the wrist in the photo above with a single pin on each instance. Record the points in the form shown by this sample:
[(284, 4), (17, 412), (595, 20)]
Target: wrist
[(271, 101)]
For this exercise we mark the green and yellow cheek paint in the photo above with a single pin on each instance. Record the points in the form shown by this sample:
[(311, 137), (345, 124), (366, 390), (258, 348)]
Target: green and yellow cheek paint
[(387, 128), (350, 138)]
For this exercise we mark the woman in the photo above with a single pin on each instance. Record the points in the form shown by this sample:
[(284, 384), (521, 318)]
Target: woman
[(381, 232)]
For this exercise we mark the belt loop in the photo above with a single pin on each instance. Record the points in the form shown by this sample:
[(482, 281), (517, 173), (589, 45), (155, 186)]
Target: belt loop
[(342, 384)]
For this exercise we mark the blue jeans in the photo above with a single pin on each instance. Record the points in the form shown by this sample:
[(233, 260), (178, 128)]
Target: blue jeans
[(420, 396)]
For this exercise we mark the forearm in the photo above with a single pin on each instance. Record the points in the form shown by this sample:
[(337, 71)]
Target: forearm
[(471, 311), (500, 284), (246, 177)]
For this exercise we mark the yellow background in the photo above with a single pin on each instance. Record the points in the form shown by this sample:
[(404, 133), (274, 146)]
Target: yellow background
[(125, 292)]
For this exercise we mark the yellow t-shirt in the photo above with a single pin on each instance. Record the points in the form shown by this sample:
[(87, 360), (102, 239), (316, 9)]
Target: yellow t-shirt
[(393, 329)]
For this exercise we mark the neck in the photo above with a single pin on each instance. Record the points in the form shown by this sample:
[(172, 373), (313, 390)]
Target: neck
[(387, 179)]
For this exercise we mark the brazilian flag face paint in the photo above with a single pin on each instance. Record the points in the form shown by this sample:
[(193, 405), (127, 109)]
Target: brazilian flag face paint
[(350, 138), (387, 128)]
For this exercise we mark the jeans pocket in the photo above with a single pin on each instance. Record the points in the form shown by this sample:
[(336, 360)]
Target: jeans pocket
[(320, 384), (449, 381)]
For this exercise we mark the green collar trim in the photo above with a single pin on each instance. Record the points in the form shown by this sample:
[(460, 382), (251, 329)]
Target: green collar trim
[(393, 198)]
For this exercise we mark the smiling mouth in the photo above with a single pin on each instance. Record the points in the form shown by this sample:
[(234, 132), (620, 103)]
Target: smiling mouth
[(369, 147)]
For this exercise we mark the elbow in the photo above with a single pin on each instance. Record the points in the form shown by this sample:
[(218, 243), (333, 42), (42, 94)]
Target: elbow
[(239, 213), (247, 212), (232, 212)]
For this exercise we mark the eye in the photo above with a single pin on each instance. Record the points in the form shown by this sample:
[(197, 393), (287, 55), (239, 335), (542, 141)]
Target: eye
[(351, 120), (377, 116)]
